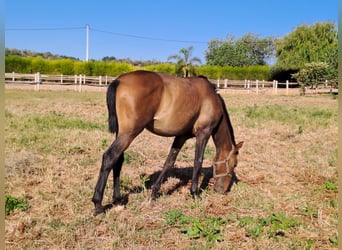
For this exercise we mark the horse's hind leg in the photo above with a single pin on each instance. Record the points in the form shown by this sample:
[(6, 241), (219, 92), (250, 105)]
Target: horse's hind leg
[(116, 178), (112, 159), (170, 161)]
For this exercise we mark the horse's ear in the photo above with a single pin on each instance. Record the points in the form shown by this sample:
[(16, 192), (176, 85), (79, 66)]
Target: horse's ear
[(239, 145)]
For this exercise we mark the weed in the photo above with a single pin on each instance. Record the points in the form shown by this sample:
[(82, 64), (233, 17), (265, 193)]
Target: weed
[(175, 215), (330, 185), (194, 228), (275, 225), (133, 157), (144, 178), (13, 203), (334, 240), (309, 210), (55, 224), (125, 182), (104, 144)]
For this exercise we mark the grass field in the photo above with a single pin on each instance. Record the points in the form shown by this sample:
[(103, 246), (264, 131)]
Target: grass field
[(286, 197)]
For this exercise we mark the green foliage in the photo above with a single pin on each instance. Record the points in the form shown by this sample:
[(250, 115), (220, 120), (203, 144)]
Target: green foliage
[(194, 228), (64, 66), (163, 67), (174, 216), (256, 72), (17, 64), (275, 225), (313, 73), (246, 51), (330, 185), (12, 203), (307, 44), (184, 62)]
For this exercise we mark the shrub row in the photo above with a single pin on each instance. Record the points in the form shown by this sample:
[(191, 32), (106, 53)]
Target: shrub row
[(94, 68)]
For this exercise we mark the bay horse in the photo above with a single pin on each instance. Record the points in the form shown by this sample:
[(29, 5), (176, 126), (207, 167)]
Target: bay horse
[(167, 106)]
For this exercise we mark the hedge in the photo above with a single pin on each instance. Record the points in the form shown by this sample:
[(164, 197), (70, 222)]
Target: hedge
[(95, 68)]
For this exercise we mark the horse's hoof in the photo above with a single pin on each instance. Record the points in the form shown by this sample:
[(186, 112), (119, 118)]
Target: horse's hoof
[(99, 210)]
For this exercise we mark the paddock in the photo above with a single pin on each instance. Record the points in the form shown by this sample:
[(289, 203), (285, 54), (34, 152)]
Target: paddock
[(285, 197)]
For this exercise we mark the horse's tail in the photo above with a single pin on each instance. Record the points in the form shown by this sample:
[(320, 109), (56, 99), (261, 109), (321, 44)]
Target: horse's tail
[(112, 118)]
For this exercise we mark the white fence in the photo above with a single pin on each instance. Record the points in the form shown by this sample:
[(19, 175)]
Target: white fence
[(255, 86), (223, 85), (38, 78), (76, 80)]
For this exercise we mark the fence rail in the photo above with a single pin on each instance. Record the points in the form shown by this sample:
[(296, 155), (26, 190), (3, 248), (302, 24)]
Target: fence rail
[(38, 78), (223, 85)]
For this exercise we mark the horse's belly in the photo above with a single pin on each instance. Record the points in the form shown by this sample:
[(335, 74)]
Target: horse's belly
[(167, 127)]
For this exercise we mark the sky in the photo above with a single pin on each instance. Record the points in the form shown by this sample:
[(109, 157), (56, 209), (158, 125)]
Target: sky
[(151, 29)]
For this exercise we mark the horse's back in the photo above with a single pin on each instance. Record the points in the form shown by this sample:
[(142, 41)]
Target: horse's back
[(165, 104), (186, 105)]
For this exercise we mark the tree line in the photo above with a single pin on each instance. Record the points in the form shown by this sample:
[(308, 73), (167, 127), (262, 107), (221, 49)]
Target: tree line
[(309, 48)]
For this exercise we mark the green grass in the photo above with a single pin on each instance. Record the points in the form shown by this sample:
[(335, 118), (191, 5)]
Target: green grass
[(290, 115), (53, 120)]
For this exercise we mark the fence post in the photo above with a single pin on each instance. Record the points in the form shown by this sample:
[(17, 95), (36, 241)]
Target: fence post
[(287, 87), (276, 87), (263, 84), (257, 86), (80, 84), (245, 84), (13, 77), (61, 78), (37, 80), (225, 83), (106, 79), (100, 80), (218, 83), (248, 85)]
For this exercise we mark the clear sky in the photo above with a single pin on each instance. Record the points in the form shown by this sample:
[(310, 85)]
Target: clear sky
[(151, 29)]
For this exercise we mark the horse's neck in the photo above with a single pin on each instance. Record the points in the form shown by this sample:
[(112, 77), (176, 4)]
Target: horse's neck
[(223, 139)]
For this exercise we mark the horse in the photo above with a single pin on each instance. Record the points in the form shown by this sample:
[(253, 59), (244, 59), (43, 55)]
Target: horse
[(167, 106)]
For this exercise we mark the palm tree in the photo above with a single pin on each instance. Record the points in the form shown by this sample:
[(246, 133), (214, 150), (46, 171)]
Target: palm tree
[(184, 62)]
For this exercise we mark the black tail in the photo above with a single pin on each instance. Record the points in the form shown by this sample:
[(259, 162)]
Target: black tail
[(112, 119)]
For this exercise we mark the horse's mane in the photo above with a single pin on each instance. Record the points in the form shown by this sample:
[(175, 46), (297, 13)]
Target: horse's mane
[(225, 113)]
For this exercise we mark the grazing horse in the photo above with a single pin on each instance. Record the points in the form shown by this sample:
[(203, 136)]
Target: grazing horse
[(167, 106)]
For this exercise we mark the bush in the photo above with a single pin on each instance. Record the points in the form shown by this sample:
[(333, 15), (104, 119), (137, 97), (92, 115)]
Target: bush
[(17, 64), (113, 68), (236, 73)]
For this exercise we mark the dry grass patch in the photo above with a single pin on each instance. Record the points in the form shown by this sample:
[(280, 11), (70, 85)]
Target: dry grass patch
[(285, 197)]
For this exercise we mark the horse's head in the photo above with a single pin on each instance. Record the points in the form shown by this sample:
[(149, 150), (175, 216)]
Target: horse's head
[(223, 171)]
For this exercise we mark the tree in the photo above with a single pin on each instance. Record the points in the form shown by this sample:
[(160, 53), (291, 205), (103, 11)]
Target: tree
[(312, 74), (184, 64), (246, 51), (307, 44)]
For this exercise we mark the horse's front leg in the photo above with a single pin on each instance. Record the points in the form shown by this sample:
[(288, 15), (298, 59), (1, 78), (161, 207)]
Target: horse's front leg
[(201, 142), (170, 161)]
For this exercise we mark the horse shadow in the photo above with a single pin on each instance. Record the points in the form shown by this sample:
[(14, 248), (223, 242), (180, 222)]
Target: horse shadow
[(184, 175)]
